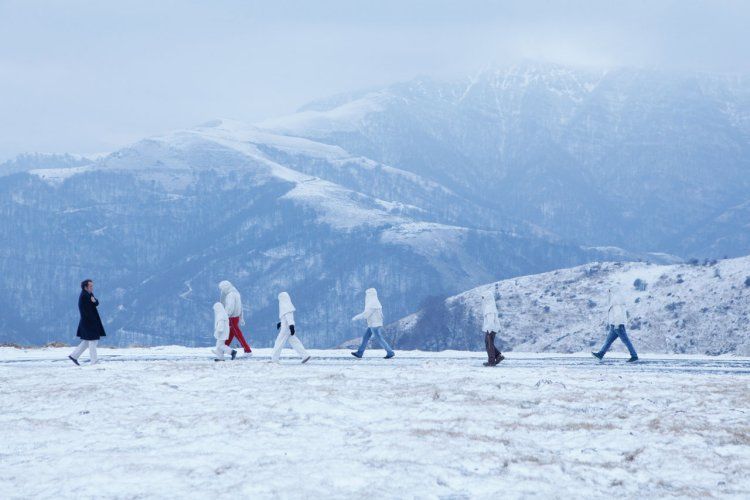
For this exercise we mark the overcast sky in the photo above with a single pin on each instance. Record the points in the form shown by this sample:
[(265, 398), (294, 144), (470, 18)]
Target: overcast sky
[(92, 76)]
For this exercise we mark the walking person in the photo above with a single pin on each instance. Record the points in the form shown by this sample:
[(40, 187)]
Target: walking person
[(221, 333), (232, 302), (373, 314), (285, 326), (490, 327), (90, 328), (617, 317)]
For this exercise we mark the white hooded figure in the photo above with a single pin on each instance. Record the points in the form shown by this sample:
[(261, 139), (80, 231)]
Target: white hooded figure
[(490, 321), (617, 318), (490, 327), (373, 314), (221, 332), (232, 301), (287, 331), (617, 313)]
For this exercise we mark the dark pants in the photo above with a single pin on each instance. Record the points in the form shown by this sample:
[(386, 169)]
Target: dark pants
[(489, 343), (234, 331)]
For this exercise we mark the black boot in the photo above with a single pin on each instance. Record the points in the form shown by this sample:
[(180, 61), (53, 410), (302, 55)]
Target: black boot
[(74, 360)]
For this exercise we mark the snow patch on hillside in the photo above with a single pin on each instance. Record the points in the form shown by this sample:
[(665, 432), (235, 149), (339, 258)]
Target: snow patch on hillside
[(347, 117), (56, 176)]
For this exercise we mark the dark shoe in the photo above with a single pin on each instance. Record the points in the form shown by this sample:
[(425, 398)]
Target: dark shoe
[(597, 355), (357, 355), (487, 363), (306, 360), (633, 359), (389, 356), (74, 360), (234, 354), (499, 358), (217, 359)]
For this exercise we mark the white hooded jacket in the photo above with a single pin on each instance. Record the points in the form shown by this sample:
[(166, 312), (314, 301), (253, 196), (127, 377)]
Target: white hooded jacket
[(373, 312), (490, 321), (617, 313), (286, 310), (231, 300), (221, 322)]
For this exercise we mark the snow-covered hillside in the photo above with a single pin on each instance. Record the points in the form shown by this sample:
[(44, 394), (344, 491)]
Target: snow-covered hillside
[(700, 308), (170, 423)]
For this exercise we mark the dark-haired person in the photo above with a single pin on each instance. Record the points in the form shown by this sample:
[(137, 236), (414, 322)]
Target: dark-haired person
[(90, 328)]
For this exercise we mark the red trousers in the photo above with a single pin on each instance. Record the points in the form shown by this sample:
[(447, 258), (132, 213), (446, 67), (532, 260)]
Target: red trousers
[(234, 331)]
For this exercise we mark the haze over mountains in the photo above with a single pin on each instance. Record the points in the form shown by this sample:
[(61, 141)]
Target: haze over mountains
[(425, 188)]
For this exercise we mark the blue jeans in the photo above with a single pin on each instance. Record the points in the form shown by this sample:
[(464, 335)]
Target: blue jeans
[(375, 330), (615, 332)]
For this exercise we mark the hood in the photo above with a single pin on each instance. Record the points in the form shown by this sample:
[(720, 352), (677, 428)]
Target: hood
[(371, 299), (219, 313), (285, 304), (488, 304), (226, 287)]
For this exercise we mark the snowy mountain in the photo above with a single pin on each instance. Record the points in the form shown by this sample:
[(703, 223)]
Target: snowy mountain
[(640, 159), (159, 223), (696, 308), (421, 189)]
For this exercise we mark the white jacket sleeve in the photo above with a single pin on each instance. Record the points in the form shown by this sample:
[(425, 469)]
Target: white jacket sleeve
[(359, 316), (288, 319)]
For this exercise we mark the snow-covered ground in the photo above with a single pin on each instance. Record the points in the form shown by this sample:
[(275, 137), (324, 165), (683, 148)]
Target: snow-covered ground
[(170, 423)]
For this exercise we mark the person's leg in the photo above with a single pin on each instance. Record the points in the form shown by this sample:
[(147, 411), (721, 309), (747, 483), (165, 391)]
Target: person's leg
[(279, 344), (297, 346), (378, 334), (92, 351), (234, 329), (489, 348), (231, 337), (79, 350), (365, 341), (611, 336), (498, 354), (220, 349), (625, 340)]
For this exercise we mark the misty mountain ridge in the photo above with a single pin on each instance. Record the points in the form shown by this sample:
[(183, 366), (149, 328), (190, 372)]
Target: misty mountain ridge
[(423, 188)]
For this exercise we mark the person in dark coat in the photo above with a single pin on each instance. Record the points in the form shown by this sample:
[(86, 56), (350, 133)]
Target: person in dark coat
[(90, 328)]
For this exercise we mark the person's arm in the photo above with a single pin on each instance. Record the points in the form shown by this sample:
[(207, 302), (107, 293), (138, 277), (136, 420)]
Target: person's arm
[(360, 315), (231, 304)]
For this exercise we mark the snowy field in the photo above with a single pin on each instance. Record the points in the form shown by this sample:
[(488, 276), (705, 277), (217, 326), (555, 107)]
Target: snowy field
[(170, 423)]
